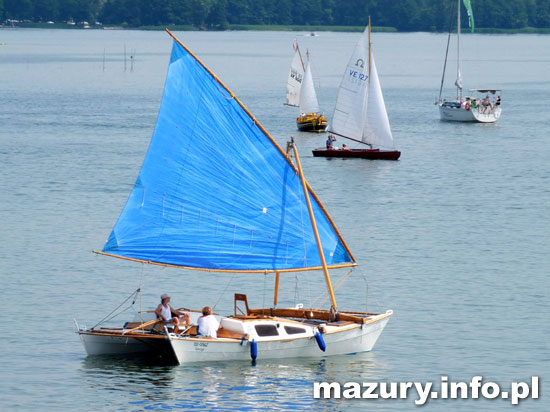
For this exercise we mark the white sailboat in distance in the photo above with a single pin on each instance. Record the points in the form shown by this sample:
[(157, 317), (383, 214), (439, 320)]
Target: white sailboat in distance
[(300, 92), (360, 113), (484, 106)]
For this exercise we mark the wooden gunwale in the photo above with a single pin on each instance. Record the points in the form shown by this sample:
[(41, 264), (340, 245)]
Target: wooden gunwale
[(133, 335), (317, 314)]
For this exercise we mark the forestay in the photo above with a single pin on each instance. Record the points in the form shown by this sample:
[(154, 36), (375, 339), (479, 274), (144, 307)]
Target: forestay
[(215, 191)]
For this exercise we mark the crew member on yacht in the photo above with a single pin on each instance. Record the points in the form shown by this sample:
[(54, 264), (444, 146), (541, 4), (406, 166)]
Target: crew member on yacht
[(166, 313), (208, 325)]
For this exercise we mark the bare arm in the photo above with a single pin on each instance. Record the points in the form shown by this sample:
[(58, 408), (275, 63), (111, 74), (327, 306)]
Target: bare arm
[(176, 311), (157, 311)]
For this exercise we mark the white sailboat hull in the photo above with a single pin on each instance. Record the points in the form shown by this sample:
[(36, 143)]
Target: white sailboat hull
[(356, 338), (461, 114)]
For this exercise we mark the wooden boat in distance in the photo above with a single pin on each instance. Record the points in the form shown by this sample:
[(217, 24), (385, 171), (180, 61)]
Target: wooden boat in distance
[(312, 122), (301, 93), (372, 154)]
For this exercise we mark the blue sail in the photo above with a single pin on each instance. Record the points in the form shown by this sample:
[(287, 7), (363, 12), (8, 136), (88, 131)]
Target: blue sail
[(215, 191)]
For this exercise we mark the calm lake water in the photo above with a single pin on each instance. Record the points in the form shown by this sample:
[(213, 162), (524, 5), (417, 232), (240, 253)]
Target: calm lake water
[(454, 237)]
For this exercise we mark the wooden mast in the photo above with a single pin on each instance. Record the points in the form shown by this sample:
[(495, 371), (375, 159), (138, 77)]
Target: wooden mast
[(275, 296), (314, 226)]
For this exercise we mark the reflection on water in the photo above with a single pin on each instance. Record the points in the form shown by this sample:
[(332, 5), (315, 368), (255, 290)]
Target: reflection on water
[(269, 385)]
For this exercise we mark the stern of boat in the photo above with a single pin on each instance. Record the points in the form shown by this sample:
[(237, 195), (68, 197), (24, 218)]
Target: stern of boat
[(119, 341)]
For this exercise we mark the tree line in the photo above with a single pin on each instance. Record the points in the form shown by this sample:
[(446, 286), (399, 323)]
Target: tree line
[(404, 15)]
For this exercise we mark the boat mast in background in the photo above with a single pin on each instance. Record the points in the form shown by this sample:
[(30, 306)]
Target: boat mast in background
[(475, 108)]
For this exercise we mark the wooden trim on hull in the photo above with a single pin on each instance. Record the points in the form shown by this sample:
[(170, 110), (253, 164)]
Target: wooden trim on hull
[(371, 154), (324, 315)]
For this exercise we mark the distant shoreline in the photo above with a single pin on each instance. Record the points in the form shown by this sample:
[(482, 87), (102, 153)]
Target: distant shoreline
[(251, 27)]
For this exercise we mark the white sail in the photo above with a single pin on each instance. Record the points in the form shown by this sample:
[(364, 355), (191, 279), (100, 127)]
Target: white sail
[(351, 105), (295, 78), (308, 97), (360, 112), (377, 129)]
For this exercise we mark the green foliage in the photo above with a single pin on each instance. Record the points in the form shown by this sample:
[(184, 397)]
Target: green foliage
[(404, 15)]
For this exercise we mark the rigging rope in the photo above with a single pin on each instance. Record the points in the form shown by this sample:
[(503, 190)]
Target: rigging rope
[(109, 317), (296, 293), (223, 292), (324, 296)]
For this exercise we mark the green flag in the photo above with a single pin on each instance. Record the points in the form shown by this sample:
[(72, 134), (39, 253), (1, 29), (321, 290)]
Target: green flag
[(470, 13)]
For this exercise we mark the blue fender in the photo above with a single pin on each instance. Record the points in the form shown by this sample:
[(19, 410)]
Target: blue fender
[(320, 341), (253, 349)]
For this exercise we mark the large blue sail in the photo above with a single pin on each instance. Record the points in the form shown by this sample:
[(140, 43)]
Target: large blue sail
[(215, 191)]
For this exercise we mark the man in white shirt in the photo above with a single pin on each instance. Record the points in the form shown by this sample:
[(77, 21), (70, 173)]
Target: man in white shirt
[(208, 325)]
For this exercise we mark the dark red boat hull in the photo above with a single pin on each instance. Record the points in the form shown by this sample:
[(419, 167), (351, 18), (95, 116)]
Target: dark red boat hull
[(359, 153)]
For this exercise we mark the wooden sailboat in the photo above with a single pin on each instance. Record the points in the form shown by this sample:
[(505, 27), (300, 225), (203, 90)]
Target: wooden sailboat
[(200, 204), (474, 108), (300, 92), (360, 113)]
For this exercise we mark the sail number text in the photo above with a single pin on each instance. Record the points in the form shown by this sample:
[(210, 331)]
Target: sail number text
[(360, 76)]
